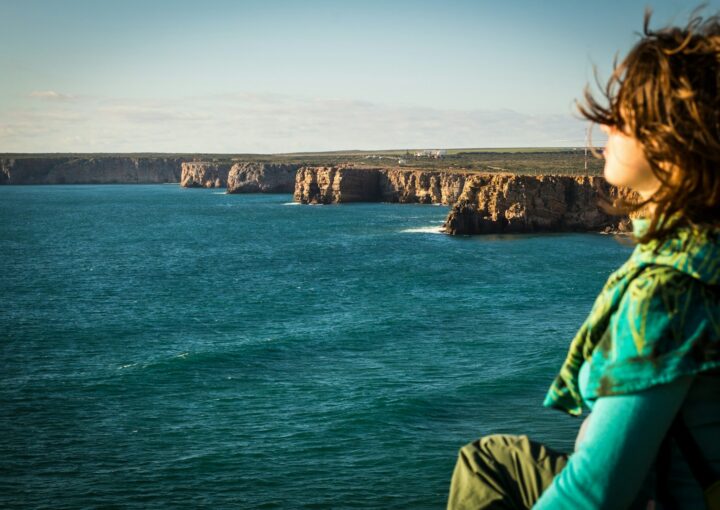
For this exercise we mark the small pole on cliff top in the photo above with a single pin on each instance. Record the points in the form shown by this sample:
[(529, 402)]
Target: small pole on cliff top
[(587, 142)]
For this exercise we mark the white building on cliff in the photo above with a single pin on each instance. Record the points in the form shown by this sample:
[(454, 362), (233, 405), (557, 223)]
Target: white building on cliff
[(431, 153)]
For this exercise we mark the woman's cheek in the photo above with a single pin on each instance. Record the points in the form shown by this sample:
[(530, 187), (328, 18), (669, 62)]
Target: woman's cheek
[(613, 172)]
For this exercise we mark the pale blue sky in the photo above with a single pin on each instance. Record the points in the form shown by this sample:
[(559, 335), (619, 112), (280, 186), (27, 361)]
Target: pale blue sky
[(277, 76)]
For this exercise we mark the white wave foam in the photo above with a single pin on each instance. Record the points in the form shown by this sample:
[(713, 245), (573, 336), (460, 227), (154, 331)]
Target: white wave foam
[(425, 230), (291, 203), (219, 193)]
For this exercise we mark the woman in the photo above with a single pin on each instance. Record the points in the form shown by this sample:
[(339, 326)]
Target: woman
[(647, 359)]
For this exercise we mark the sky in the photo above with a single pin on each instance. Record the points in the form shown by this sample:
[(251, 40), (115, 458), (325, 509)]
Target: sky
[(275, 76)]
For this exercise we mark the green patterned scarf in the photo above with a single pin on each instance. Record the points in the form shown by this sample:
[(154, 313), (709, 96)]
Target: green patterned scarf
[(656, 318)]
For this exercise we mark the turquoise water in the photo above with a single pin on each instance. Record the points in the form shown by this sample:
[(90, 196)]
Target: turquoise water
[(170, 347)]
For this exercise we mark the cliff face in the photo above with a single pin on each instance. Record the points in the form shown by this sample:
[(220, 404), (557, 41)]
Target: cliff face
[(519, 203), (417, 186), (262, 178), (5, 166), (100, 170), (482, 203), (337, 184), (204, 174)]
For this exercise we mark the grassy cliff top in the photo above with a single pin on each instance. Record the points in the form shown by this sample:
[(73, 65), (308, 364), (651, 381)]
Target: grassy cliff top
[(524, 160)]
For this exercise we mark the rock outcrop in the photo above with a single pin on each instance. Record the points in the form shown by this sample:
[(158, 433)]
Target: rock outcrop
[(90, 170), (423, 187), (336, 184), (238, 177), (204, 174), (262, 178), (481, 202), (347, 183), (506, 203)]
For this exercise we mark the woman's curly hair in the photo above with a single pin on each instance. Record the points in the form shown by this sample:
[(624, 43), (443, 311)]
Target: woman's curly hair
[(665, 94)]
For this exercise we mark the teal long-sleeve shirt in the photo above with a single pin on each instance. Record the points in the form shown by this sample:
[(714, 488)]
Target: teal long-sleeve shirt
[(621, 442)]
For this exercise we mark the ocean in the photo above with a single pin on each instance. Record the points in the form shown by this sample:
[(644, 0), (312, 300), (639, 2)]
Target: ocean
[(164, 347)]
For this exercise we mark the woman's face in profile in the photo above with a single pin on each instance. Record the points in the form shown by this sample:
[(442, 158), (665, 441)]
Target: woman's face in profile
[(626, 163)]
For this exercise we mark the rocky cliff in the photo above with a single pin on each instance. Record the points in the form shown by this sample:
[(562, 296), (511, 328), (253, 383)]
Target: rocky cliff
[(89, 170), (262, 178), (482, 202), (346, 183), (204, 174), (336, 184), (417, 186), (520, 203)]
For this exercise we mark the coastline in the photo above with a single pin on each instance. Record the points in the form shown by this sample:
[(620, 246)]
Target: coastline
[(482, 202)]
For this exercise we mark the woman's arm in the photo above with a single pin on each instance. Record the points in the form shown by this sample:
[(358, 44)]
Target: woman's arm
[(619, 446)]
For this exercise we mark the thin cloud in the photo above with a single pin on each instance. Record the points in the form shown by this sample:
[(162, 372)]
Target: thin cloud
[(256, 122), (139, 113), (50, 95)]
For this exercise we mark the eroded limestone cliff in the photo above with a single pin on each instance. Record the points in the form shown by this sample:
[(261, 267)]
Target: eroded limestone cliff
[(336, 184), (204, 174), (505, 203), (346, 183), (417, 186), (89, 170), (262, 178), (482, 203)]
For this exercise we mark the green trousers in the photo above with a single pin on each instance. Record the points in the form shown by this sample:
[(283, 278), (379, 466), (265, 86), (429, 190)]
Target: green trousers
[(503, 472)]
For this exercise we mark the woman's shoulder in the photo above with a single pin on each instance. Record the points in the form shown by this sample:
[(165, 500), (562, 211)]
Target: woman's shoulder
[(668, 291), (667, 324), (664, 308)]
